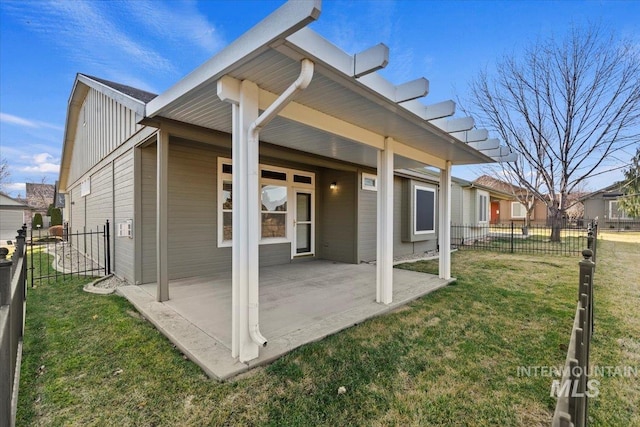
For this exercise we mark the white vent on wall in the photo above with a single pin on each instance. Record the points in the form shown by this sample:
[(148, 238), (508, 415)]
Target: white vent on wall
[(85, 187), (125, 229)]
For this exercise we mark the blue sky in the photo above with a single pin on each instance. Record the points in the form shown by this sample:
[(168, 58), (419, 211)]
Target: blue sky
[(152, 44)]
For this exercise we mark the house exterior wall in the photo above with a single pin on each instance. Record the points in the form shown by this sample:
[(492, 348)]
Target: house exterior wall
[(338, 235), (103, 125), (367, 222), (539, 215), (123, 248), (595, 207)]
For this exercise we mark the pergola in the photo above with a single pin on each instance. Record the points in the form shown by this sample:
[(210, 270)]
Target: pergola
[(284, 84)]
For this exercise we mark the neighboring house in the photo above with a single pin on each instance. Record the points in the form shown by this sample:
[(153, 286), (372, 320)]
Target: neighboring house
[(13, 214), (39, 198), (505, 210), (603, 205), (312, 178)]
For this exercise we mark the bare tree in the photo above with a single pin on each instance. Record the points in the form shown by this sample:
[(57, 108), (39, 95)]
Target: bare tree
[(4, 173), (566, 107)]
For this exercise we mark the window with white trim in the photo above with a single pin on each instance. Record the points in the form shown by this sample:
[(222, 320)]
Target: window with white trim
[(615, 212), (518, 210), (369, 182), (424, 210), (276, 189), (483, 206)]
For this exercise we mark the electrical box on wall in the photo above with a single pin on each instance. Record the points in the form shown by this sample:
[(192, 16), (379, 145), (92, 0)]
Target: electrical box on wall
[(125, 229)]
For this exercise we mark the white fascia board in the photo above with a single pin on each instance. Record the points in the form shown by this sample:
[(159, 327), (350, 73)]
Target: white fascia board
[(412, 90), (472, 135), (77, 97), (286, 20), (454, 125), (487, 144), (368, 61), (131, 103)]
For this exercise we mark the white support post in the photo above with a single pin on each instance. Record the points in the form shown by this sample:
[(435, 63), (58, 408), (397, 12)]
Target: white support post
[(445, 222), (384, 256), (162, 254), (246, 215)]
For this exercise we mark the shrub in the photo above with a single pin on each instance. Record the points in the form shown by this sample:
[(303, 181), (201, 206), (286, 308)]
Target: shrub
[(37, 220), (56, 216), (50, 209)]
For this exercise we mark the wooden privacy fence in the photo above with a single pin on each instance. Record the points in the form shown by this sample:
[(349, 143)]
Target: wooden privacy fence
[(573, 391), (13, 293)]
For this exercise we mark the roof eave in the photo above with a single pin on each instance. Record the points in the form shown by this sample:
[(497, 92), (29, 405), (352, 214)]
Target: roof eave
[(284, 21)]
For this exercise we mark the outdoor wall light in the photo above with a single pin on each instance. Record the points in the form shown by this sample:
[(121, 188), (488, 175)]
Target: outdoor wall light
[(333, 185)]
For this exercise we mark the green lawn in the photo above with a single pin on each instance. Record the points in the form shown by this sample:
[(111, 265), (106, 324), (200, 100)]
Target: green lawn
[(450, 358)]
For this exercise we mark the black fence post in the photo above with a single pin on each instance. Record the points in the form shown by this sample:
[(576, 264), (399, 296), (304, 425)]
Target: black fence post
[(512, 237), (107, 246)]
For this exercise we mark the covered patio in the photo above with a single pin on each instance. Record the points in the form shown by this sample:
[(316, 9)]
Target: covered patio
[(283, 84), (300, 303)]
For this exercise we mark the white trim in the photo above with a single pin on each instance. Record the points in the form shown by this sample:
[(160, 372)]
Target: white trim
[(415, 209), (487, 215), (370, 176), (613, 214), (523, 207), (290, 184), (294, 222)]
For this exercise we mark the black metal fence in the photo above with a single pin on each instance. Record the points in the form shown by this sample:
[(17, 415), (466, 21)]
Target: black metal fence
[(514, 238), (80, 253)]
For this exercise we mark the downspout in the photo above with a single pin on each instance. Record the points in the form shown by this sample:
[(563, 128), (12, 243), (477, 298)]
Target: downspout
[(301, 83)]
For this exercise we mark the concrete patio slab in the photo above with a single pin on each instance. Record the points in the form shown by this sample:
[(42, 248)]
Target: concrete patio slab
[(299, 303)]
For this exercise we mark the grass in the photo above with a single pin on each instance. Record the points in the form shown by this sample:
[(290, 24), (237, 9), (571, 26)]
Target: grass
[(450, 358)]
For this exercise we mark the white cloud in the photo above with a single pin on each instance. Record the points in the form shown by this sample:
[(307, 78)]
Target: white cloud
[(89, 33), (42, 163), (191, 29), (20, 121), (15, 188)]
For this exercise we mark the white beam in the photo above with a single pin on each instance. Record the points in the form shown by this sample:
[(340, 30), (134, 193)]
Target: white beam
[(511, 157), (444, 229), (286, 20), (162, 209), (228, 90), (439, 110), (454, 125), (412, 90), (324, 122), (497, 152), (370, 60), (487, 144), (472, 135), (412, 153), (384, 250)]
